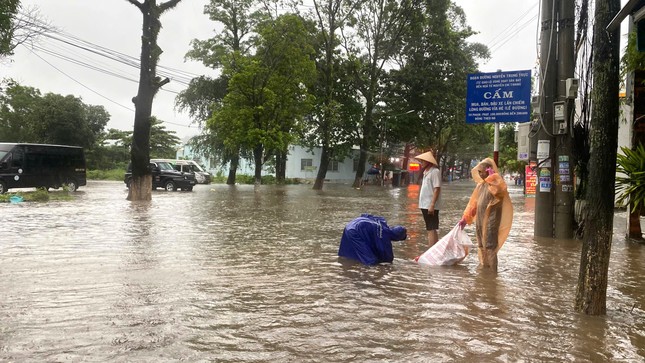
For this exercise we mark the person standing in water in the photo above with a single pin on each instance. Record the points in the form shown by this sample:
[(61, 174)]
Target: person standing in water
[(490, 207), (430, 195)]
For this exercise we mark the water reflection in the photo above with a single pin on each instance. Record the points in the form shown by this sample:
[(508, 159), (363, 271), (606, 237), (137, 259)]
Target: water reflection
[(244, 273)]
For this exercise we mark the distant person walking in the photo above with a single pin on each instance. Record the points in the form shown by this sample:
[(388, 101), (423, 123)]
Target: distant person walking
[(490, 206), (430, 195)]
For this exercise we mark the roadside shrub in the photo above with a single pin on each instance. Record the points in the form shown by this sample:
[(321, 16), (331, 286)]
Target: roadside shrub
[(40, 195), (219, 178), (112, 174)]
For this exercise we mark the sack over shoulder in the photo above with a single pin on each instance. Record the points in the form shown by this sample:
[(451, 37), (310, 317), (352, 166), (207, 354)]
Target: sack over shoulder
[(449, 250)]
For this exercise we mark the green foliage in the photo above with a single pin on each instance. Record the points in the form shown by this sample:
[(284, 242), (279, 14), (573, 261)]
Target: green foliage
[(17, 105), (66, 120), (633, 60), (112, 174), (239, 22), (508, 150), (39, 195), (250, 179), (163, 142), (26, 116), (201, 94), (437, 58), (630, 179), (8, 11), (265, 96)]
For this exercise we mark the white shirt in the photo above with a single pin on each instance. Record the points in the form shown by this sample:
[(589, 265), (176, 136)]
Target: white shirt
[(431, 180)]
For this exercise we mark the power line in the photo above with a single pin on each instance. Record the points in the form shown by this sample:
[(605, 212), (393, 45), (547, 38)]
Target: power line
[(511, 36), (509, 29), (73, 79), (62, 53), (177, 75)]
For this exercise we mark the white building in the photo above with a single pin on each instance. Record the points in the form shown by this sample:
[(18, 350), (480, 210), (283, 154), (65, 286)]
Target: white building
[(301, 164)]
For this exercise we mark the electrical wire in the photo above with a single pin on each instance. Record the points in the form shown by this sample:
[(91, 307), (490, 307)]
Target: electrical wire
[(50, 48), (509, 32), (73, 79)]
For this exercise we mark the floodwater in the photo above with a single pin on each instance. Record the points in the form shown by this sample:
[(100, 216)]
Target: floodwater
[(246, 274)]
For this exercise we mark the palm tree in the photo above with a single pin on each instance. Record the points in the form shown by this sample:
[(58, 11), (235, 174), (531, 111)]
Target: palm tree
[(630, 186)]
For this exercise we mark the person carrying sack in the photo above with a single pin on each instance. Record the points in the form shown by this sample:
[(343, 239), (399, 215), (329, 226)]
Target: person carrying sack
[(490, 207)]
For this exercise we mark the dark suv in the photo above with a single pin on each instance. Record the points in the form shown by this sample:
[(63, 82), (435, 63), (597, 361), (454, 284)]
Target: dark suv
[(165, 176)]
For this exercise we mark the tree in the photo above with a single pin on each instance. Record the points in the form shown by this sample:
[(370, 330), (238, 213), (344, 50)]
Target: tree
[(163, 143), (508, 150), (18, 26), (630, 186), (380, 25), (336, 109), (591, 296), (239, 21), (8, 11), (435, 60), (111, 152), (149, 85), (66, 120), (267, 92), (17, 104), (27, 116)]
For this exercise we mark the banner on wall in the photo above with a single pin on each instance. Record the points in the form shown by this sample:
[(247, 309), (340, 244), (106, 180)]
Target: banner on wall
[(530, 181)]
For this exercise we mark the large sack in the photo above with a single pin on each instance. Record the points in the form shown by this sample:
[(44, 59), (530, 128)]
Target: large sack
[(450, 250)]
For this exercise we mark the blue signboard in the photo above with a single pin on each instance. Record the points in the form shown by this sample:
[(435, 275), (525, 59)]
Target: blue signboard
[(499, 97)]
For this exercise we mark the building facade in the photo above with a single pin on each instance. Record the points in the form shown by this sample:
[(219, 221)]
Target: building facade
[(302, 164)]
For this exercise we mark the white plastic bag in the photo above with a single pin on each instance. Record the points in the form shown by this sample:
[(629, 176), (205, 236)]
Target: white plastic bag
[(449, 250)]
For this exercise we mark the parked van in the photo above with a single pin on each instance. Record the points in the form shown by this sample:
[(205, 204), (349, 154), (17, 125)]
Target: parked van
[(188, 166), (41, 166)]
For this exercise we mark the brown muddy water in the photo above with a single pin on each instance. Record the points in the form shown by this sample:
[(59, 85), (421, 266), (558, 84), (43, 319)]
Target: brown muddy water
[(245, 274)]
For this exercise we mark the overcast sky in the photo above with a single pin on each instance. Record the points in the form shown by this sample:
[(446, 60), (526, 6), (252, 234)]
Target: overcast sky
[(508, 27)]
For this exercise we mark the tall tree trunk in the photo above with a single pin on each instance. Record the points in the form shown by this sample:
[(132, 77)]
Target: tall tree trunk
[(149, 84), (591, 297), (232, 171), (281, 167), (322, 170), (257, 156)]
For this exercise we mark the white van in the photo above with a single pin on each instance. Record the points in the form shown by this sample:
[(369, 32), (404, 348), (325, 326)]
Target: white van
[(188, 166)]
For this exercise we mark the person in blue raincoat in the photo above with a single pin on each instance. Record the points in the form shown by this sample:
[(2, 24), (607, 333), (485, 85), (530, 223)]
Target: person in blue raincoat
[(368, 239)]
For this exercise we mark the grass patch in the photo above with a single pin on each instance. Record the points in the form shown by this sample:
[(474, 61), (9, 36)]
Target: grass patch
[(250, 179), (112, 174), (39, 195)]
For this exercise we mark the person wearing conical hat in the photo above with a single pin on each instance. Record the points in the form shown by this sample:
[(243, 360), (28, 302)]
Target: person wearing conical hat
[(491, 209), (430, 195)]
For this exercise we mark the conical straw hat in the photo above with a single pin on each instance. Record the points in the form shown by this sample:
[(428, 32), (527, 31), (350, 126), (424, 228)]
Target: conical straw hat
[(427, 156)]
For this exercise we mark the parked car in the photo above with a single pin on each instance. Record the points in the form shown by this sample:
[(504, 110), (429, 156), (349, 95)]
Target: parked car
[(165, 176), (189, 166)]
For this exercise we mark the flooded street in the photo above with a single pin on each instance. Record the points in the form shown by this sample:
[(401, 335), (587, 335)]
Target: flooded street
[(246, 274)]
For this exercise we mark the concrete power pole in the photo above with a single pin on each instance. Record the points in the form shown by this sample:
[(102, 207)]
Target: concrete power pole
[(563, 121), (543, 139)]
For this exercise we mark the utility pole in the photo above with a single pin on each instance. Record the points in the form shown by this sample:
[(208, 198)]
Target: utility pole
[(543, 139), (567, 90)]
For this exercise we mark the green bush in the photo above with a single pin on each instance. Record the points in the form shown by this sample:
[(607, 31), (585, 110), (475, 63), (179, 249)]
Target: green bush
[(40, 195), (630, 182), (220, 178), (112, 174)]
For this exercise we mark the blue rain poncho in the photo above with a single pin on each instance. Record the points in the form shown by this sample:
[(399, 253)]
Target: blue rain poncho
[(368, 239)]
